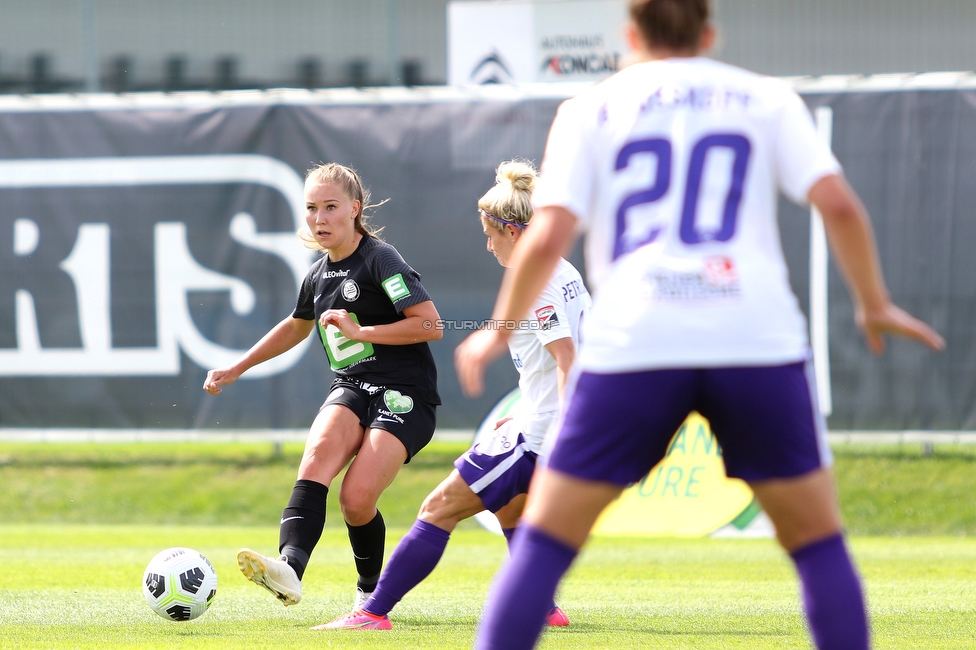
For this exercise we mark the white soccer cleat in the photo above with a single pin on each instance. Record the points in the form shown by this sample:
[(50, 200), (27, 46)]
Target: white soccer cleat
[(273, 574), (361, 598)]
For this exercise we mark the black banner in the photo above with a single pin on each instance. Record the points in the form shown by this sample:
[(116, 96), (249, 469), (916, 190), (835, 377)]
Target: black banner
[(141, 246)]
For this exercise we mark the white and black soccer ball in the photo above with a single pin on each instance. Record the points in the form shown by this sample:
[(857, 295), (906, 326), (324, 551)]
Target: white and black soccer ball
[(179, 584)]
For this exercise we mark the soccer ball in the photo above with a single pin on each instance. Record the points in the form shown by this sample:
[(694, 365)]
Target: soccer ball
[(179, 584)]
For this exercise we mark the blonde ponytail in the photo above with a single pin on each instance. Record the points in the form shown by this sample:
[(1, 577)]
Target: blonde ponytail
[(510, 200)]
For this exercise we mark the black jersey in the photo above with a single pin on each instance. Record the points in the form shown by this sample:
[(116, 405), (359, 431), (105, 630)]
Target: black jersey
[(374, 285)]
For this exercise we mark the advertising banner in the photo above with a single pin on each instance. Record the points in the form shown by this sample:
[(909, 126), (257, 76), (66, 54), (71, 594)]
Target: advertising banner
[(142, 245), (687, 494), (526, 42), (174, 272), (146, 239)]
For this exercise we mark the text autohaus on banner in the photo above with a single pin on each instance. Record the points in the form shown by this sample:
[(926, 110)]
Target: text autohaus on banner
[(534, 41)]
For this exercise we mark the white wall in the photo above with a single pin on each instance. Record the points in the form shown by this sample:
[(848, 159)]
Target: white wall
[(270, 37)]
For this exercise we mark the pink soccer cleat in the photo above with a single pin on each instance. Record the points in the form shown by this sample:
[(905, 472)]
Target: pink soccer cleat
[(359, 620), (557, 618)]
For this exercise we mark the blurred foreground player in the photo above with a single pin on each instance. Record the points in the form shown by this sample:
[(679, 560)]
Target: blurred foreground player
[(672, 167), (374, 320), (494, 474)]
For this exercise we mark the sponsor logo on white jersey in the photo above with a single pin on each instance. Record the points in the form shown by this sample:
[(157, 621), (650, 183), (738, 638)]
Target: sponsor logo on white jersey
[(546, 316)]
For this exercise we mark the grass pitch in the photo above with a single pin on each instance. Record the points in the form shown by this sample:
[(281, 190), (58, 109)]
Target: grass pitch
[(80, 523), (76, 586)]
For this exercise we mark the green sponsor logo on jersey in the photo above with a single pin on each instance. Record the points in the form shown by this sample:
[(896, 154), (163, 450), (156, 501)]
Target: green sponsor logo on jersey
[(343, 352), (395, 287), (397, 402)]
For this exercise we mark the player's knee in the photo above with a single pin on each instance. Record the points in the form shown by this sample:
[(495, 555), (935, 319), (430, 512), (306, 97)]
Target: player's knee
[(316, 467), (436, 505), (448, 504), (509, 515), (357, 508)]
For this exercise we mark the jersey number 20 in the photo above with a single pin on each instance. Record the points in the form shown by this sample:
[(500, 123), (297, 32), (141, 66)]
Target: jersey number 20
[(689, 231)]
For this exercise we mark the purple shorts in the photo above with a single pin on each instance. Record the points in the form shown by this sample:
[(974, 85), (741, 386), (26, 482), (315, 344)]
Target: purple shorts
[(499, 469), (765, 418)]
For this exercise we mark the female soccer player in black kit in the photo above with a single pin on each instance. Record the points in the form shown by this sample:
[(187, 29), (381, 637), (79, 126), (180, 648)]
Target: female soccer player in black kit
[(374, 319)]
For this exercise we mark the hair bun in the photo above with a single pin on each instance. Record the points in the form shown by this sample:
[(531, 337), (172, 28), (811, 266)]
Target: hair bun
[(520, 175)]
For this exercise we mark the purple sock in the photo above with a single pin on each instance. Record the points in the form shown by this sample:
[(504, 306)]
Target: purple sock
[(832, 595), (521, 594), (509, 534), (412, 560)]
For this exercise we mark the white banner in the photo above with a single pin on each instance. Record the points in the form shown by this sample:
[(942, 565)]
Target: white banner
[(526, 42)]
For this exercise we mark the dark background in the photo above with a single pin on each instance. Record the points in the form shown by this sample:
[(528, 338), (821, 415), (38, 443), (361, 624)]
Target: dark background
[(910, 154)]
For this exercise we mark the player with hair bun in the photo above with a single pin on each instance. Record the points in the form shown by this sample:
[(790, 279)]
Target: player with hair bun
[(672, 168), (374, 319), (494, 474)]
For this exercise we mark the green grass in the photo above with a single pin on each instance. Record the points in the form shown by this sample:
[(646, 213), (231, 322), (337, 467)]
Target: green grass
[(238, 484), (80, 522), (75, 586), (896, 490), (884, 489)]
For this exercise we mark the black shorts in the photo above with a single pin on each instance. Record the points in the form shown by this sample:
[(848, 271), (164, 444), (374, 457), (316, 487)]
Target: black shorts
[(395, 411)]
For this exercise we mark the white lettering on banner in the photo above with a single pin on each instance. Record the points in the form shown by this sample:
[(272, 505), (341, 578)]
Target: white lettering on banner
[(176, 271)]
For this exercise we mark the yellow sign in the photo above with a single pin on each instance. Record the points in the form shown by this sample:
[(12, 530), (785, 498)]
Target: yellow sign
[(687, 494)]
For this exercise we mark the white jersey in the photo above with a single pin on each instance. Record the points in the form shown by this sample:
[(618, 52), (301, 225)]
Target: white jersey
[(555, 315), (672, 168)]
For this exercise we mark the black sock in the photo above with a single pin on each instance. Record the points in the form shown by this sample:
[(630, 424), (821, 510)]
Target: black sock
[(368, 543), (302, 523)]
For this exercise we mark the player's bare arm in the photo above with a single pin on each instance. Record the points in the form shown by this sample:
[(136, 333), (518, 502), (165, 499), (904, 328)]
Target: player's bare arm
[(283, 337), (851, 238), (550, 237), (564, 352), (418, 326)]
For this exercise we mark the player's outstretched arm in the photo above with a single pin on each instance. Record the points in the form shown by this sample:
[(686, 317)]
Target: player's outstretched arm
[(282, 337), (851, 238), (549, 237)]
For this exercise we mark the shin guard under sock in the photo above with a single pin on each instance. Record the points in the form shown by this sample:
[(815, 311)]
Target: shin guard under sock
[(368, 543), (519, 598), (509, 534), (302, 523), (832, 595), (411, 561)]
